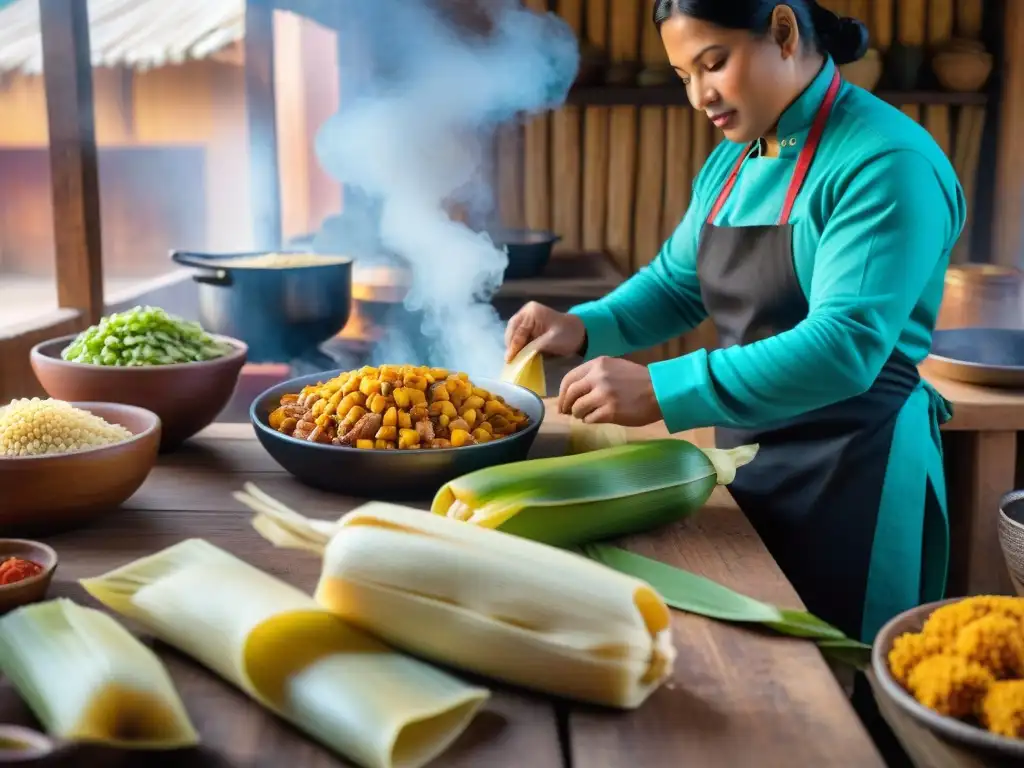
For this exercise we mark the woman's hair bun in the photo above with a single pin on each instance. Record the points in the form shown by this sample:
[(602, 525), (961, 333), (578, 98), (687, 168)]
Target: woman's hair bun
[(843, 38)]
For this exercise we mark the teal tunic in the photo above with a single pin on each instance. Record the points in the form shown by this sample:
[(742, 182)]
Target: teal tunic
[(873, 228)]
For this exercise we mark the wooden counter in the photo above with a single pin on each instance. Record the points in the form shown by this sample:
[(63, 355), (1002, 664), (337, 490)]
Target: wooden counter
[(739, 697), (981, 458)]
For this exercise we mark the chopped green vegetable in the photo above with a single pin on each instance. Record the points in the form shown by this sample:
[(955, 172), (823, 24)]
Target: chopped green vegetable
[(143, 336)]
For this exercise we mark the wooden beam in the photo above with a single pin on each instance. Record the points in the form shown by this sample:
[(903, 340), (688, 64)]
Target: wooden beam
[(1009, 196), (73, 164), (260, 100)]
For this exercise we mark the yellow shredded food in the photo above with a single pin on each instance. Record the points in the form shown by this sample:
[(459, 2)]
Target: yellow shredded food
[(996, 642), (949, 684), (946, 622), (909, 650), (967, 662), (38, 427), (401, 407), (1002, 709), (278, 261)]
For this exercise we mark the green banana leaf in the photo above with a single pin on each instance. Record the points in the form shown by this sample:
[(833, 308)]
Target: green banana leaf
[(689, 592)]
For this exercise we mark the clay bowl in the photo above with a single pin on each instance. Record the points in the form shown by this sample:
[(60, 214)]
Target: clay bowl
[(23, 746), (187, 397), (27, 590), (44, 494), (865, 72), (962, 70), (973, 738), (1011, 537)]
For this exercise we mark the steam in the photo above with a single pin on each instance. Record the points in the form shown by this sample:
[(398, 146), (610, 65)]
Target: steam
[(421, 100)]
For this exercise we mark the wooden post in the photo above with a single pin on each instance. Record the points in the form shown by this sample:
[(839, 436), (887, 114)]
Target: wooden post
[(73, 165), (1009, 193), (260, 101)]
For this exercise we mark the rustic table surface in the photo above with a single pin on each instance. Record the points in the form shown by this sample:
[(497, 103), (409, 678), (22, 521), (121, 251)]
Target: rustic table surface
[(982, 464), (738, 698)]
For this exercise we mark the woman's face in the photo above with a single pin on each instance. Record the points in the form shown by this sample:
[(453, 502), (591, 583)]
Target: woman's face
[(743, 82)]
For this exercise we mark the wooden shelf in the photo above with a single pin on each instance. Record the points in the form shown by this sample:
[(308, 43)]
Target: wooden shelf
[(675, 95), (579, 276)]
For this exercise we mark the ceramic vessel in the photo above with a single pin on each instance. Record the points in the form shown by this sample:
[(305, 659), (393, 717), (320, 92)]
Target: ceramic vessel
[(977, 740), (903, 66), (593, 62), (23, 746), (622, 73), (186, 397), (657, 75), (390, 474), (45, 494), (1011, 537), (33, 589), (963, 66), (866, 72)]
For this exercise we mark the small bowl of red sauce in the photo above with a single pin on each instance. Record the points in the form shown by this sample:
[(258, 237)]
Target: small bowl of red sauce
[(26, 570)]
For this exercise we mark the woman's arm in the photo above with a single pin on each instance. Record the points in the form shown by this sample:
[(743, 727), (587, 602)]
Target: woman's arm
[(887, 239), (658, 303)]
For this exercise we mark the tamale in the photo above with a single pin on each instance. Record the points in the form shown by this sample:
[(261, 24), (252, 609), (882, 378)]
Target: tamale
[(375, 706), (88, 679), (508, 608)]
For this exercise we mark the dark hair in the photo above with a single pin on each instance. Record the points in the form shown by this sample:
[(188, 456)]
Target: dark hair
[(843, 38)]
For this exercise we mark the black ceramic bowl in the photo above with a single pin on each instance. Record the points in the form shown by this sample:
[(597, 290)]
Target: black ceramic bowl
[(390, 474), (529, 251)]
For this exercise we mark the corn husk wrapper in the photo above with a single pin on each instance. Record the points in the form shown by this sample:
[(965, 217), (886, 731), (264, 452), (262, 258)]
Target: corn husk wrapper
[(573, 500), (496, 605), (88, 679), (354, 694), (527, 370)]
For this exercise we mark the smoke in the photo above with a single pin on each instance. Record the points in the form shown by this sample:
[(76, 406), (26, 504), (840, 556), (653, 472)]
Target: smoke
[(421, 100)]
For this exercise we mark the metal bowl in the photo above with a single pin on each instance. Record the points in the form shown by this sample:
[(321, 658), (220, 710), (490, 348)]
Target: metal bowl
[(281, 314), (972, 737), (390, 474), (987, 357)]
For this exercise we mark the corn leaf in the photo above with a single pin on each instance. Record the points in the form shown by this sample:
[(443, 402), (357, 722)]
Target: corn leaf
[(573, 500), (689, 592)]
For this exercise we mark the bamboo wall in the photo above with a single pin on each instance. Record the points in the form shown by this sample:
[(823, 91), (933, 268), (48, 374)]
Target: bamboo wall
[(617, 179)]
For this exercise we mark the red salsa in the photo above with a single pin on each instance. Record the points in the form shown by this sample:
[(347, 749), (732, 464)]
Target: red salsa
[(15, 569)]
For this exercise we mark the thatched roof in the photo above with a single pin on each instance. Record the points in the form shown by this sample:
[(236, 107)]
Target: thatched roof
[(134, 33)]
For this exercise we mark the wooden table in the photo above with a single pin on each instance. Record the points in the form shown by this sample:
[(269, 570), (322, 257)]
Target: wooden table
[(981, 465), (738, 698)]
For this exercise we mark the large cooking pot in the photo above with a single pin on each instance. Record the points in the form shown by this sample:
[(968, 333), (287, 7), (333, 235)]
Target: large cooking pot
[(281, 312)]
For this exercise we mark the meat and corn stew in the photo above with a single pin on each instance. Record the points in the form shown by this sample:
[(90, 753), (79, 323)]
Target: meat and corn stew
[(399, 407)]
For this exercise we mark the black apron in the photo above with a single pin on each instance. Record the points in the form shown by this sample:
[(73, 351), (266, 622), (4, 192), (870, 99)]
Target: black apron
[(814, 493)]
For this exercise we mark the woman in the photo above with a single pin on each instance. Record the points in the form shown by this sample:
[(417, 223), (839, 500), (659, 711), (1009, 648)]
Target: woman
[(816, 241)]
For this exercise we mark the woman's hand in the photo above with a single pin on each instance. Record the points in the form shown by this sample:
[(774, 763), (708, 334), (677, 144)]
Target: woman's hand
[(610, 390), (560, 333)]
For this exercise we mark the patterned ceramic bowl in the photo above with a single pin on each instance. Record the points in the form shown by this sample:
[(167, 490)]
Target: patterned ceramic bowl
[(1011, 537)]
